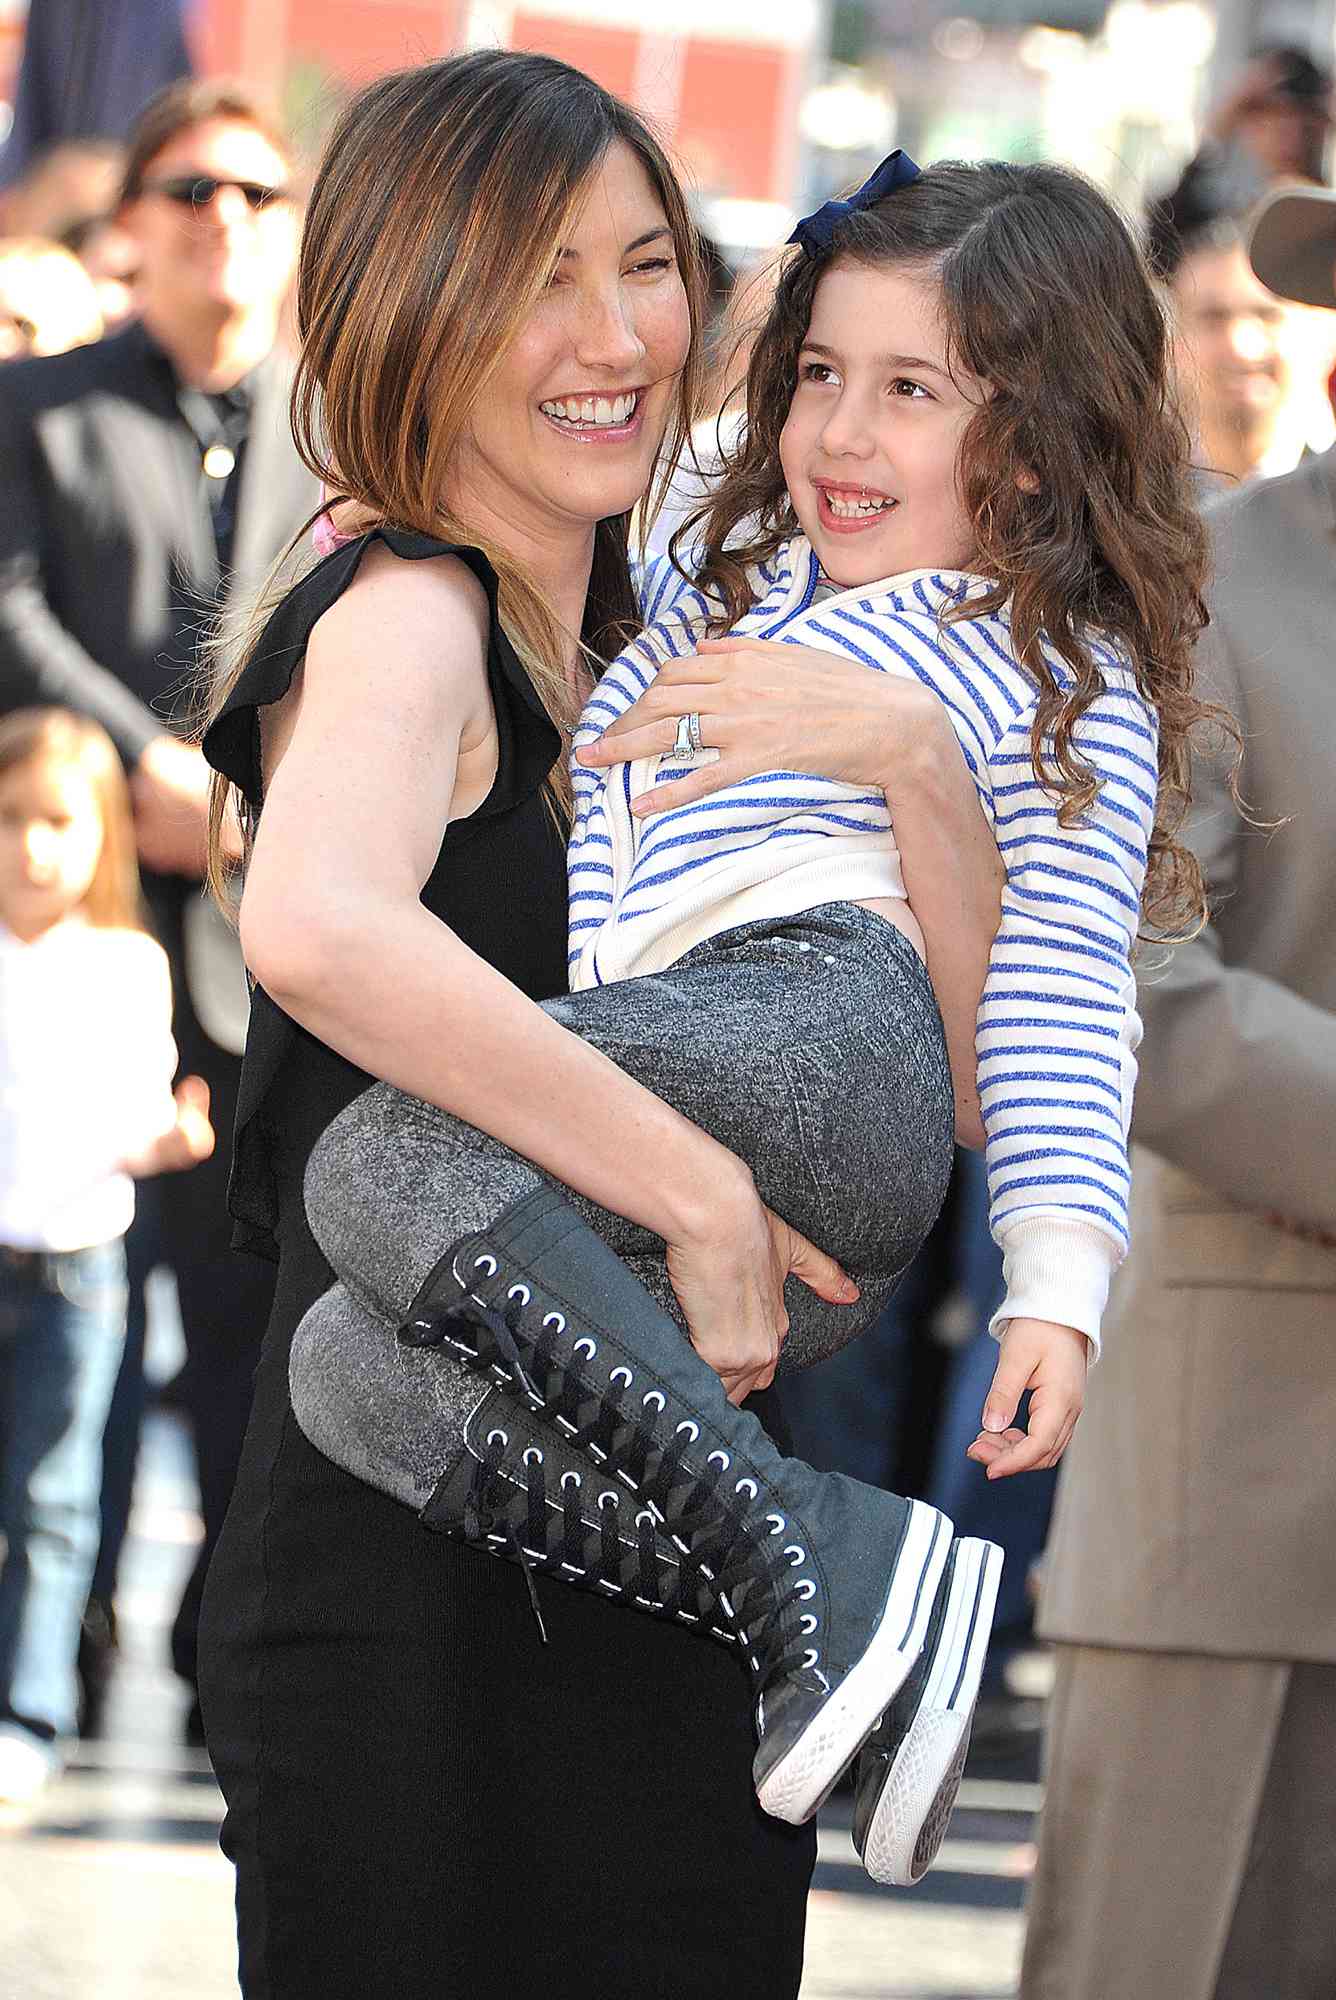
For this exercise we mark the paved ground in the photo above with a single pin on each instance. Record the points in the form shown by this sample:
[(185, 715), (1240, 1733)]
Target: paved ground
[(115, 1889)]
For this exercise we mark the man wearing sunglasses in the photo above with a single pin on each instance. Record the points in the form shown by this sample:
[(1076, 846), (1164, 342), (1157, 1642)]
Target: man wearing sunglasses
[(145, 481)]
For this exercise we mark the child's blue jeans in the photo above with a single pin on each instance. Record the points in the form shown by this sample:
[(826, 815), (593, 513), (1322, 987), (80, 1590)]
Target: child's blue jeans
[(62, 1327)]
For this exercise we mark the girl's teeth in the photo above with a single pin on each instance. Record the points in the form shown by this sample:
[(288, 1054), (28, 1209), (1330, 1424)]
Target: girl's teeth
[(592, 410), (850, 509)]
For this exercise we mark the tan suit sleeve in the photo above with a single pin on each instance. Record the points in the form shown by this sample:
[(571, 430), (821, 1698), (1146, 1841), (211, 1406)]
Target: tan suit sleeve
[(1238, 1073)]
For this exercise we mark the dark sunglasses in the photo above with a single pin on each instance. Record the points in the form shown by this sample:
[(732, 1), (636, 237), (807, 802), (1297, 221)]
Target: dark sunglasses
[(198, 190)]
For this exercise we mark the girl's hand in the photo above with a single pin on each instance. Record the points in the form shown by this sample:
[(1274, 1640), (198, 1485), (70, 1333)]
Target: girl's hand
[(730, 1285), (770, 707), (1051, 1362), (187, 1142)]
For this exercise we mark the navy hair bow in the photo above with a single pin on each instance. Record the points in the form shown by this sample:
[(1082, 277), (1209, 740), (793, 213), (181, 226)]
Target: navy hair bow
[(816, 232)]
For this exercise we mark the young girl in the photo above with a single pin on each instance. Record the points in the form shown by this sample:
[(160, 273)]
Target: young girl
[(960, 466), (86, 1102)]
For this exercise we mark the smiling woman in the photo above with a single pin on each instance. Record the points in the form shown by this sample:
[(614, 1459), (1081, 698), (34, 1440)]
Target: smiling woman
[(498, 308), (569, 423)]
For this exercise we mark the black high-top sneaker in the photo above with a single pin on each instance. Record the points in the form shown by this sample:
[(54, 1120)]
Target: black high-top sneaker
[(828, 1583), (910, 1768), (481, 1467)]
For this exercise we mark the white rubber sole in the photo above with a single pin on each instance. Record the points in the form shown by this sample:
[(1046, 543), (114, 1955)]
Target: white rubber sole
[(812, 1767), (910, 1819)]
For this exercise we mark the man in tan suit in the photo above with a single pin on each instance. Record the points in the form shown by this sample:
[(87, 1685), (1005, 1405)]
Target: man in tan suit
[(1188, 1845)]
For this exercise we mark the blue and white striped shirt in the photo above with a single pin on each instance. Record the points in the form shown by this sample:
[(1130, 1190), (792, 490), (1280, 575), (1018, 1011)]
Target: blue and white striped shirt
[(1057, 1024)]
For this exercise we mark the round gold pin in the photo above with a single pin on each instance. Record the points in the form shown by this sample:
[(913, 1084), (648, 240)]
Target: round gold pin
[(219, 461)]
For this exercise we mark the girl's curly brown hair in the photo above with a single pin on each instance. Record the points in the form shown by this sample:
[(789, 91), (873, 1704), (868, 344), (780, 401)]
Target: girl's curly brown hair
[(1074, 471)]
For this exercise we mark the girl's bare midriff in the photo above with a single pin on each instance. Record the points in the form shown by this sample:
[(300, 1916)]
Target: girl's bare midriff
[(896, 911)]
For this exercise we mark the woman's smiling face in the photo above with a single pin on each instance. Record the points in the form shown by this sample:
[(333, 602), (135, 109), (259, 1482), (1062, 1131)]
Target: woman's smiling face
[(566, 432), (871, 445)]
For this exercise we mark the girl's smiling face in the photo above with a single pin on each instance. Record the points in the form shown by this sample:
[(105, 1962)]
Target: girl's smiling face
[(871, 445)]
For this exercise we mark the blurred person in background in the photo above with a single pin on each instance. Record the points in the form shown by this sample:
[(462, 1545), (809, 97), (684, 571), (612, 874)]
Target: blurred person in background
[(1188, 1842), (86, 1061), (63, 185), (48, 302), (1252, 388), (70, 194), (1274, 121), (109, 254), (144, 482)]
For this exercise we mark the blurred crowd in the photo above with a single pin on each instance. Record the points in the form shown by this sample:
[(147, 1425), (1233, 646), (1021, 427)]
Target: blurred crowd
[(147, 481)]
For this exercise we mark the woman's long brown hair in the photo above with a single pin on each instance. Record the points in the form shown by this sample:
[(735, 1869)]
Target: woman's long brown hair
[(433, 226), (1074, 471)]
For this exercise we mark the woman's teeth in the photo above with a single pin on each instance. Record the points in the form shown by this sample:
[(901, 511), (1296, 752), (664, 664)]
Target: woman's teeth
[(846, 508), (585, 410)]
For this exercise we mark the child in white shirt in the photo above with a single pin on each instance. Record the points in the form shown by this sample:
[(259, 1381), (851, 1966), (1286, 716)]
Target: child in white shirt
[(86, 1103)]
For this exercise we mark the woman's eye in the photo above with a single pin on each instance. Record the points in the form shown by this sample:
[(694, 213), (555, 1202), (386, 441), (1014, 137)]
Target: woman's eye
[(654, 264), (909, 391), (816, 371)]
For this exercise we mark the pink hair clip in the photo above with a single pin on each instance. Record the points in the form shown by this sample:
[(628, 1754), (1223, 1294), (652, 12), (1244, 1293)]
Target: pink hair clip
[(324, 535)]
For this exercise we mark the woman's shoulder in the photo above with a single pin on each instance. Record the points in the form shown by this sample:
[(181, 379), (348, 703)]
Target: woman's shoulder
[(395, 599), (382, 569), (374, 590)]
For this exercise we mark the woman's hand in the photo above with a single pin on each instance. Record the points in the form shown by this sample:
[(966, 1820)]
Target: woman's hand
[(770, 707), (729, 1281), (1051, 1362)]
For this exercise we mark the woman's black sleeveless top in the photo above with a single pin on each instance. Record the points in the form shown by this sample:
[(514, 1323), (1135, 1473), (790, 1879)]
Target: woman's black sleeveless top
[(424, 1800)]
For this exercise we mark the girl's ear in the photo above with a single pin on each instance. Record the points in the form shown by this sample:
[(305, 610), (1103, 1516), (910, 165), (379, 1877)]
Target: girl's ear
[(1027, 482)]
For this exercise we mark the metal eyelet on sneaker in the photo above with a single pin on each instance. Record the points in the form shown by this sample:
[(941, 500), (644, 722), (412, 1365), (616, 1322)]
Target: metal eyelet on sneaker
[(797, 1557), (804, 1588), (487, 1264), (721, 1459), (621, 1375), (555, 1319), (654, 1396), (520, 1292), (615, 1498), (808, 1623), (810, 1657), (747, 1486), (586, 1346), (779, 1521), (493, 1435), (692, 1430), (533, 1456), (571, 1479)]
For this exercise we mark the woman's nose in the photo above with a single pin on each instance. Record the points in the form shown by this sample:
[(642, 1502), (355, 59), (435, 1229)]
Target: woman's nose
[(608, 336)]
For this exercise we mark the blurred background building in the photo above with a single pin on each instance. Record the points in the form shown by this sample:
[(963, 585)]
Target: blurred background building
[(770, 103)]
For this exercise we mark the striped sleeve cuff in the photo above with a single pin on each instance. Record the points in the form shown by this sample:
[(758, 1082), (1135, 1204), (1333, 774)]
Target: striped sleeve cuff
[(1058, 1269)]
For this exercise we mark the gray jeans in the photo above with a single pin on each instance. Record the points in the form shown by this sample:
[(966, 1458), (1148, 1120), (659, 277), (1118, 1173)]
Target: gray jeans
[(810, 1046)]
